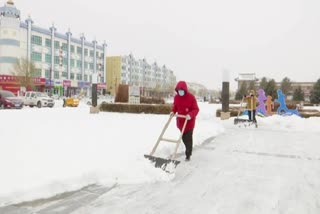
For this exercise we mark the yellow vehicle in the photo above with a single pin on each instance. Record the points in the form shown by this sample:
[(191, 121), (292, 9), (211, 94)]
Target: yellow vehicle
[(71, 102)]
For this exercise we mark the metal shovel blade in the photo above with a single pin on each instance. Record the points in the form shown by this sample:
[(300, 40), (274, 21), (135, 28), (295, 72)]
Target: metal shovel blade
[(240, 120), (162, 162)]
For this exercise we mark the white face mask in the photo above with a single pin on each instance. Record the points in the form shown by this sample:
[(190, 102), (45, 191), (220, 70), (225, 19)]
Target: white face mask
[(181, 92)]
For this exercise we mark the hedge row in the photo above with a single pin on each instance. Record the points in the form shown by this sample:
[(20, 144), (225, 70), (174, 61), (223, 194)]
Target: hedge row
[(151, 100), (233, 112), (136, 108)]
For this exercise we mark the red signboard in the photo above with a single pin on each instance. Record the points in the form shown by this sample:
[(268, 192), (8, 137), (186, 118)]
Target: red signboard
[(8, 79), (101, 85), (39, 81), (66, 83)]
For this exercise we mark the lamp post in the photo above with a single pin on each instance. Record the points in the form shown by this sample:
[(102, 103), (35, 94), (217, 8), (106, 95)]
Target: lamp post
[(50, 79), (143, 75), (130, 72)]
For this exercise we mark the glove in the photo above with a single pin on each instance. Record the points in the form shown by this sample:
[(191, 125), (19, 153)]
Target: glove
[(188, 117)]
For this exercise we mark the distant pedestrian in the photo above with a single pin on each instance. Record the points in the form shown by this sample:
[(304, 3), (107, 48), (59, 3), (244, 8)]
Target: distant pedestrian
[(185, 104), (251, 100)]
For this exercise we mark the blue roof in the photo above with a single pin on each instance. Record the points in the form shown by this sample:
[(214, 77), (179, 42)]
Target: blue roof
[(10, 11), (60, 35), (41, 30)]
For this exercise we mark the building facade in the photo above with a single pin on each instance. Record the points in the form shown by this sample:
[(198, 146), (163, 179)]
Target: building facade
[(138, 72), (248, 78), (63, 62)]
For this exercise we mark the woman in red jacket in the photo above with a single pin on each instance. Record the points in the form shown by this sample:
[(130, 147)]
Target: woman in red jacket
[(185, 104)]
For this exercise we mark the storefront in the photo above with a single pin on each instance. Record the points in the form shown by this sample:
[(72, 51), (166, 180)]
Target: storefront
[(49, 84), (58, 88), (66, 85), (73, 89), (39, 84), (102, 88), (11, 83), (84, 88)]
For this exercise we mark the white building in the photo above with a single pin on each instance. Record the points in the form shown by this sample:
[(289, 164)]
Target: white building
[(246, 78), (139, 72), (62, 61)]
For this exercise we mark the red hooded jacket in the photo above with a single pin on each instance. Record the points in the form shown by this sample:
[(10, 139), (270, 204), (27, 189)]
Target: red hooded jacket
[(186, 104)]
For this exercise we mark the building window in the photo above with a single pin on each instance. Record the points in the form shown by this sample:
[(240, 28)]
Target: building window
[(56, 60), (91, 53), (64, 47), (72, 48), (35, 56), (56, 75), (47, 74), (86, 51), (48, 43), (65, 61), (91, 66), (85, 65), (72, 76), (78, 63), (86, 77), (64, 74), (79, 77), (56, 44), (48, 58), (37, 73), (79, 50), (36, 40), (72, 62)]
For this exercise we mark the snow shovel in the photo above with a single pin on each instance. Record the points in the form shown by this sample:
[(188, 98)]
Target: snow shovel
[(246, 121), (164, 162), (240, 120)]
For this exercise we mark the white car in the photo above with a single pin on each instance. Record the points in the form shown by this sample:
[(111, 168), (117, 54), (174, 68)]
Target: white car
[(39, 99)]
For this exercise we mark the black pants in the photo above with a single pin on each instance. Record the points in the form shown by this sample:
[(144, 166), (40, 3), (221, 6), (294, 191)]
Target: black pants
[(253, 114), (188, 142)]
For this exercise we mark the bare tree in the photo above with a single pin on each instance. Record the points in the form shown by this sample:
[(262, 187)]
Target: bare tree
[(25, 71)]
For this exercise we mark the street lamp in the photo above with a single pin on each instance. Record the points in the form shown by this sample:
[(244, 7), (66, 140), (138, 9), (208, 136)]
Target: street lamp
[(130, 72), (50, 79), (143, 75)]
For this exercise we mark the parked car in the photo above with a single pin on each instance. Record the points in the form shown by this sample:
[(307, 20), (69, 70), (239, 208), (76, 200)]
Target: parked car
[(9, 100), (39, 99), (71, 102)]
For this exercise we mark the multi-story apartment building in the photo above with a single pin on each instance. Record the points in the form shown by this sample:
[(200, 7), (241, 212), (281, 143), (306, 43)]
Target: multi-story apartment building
[(138, 72), (63, 62)]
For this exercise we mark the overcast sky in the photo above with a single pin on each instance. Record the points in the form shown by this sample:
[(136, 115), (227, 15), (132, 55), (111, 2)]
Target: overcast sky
[(197, 39)]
